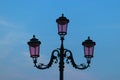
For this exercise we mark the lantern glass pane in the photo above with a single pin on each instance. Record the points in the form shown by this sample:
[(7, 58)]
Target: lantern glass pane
[(88, 51), (34, 51), (91, 51), (62, 28)]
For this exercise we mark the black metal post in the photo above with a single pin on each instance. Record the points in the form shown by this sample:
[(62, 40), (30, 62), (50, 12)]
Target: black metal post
[(61, 56)]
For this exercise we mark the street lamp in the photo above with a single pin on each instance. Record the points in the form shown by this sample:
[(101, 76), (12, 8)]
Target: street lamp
[(61, 55), (62, 23)]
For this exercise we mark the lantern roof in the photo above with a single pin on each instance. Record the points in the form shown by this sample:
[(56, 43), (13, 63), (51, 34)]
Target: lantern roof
[(62, 20), (88, 43), (34, 42)]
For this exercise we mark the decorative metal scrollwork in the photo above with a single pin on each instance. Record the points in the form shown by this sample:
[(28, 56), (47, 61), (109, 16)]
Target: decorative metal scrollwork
[(69, 58), (53, 58)]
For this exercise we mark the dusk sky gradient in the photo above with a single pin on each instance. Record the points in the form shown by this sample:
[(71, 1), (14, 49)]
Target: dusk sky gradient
[(21, 19)]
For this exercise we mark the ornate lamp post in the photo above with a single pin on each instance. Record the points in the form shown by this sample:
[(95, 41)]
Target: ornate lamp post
[(63, 54)]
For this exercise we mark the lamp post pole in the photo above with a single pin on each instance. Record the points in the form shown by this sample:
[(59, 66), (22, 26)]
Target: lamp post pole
[(63, 54)]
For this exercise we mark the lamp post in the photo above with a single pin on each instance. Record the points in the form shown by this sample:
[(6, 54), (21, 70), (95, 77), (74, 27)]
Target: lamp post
[(62, 54)]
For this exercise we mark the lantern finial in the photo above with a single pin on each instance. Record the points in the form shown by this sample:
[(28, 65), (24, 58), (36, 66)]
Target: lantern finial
[(33, 36), (88, 37)]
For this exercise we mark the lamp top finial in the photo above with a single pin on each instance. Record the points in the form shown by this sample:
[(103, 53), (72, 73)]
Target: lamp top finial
[(33, 36), (88, 37), (62, 15)]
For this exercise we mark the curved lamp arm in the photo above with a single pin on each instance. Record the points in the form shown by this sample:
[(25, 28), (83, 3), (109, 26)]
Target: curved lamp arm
[(70, 59), (52, 59)]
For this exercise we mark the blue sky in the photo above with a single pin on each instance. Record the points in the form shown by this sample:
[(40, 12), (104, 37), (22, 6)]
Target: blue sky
[(20, 19)]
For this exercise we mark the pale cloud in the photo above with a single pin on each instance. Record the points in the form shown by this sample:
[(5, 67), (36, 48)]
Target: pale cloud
[(7, 23), (12, 35), (75, 74)]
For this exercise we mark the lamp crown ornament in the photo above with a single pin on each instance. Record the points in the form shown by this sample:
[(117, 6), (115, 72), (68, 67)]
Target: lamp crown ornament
[(62, 20), (88, 42)]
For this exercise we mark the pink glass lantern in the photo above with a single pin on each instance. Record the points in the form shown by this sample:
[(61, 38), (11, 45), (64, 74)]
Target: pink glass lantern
[(34, 46), (88, 48), (62, 25)]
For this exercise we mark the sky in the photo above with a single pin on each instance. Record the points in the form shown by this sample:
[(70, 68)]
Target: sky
[(21, 19)]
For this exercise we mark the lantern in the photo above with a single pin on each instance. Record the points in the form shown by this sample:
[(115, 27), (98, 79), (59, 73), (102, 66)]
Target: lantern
[(34, 45), (62, 23), (88, 48)]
